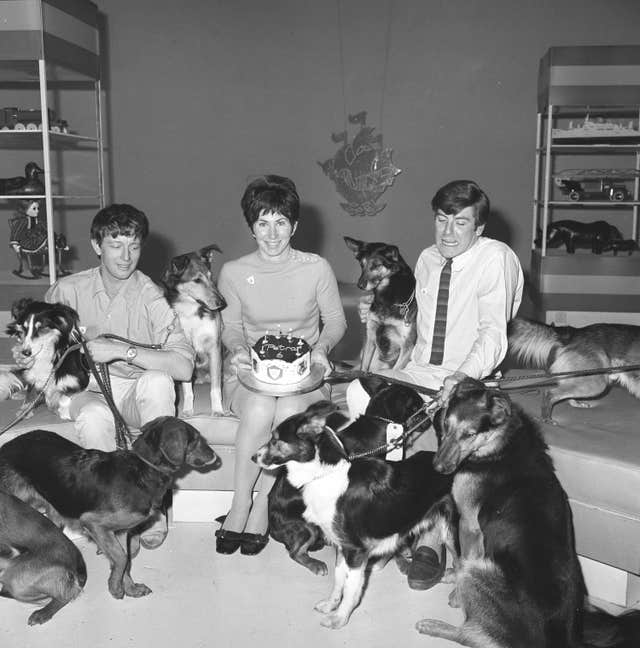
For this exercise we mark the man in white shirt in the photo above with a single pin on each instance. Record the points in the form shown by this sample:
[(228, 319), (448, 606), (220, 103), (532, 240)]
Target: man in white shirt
[(483, 293)]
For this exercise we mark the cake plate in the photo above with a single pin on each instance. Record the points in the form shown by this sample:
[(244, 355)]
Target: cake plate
[(311, 382)]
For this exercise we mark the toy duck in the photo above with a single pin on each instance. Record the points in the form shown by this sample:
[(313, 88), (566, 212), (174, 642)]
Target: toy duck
[(29, 185)]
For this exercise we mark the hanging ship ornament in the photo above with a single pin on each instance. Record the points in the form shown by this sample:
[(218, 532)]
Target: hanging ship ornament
[(362, 170)]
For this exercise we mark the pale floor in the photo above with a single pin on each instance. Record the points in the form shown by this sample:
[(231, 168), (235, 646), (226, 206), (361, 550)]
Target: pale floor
[(201, 598)]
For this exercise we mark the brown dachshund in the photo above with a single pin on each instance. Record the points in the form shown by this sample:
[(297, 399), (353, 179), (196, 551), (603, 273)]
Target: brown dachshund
[(105, 493), (37, 561)]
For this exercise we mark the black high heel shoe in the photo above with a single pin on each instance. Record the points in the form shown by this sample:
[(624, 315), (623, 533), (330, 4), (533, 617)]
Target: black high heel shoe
[(227, 542), (252, 544)]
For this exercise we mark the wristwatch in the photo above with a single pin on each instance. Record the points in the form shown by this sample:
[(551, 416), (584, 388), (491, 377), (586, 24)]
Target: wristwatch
[(132, 352)]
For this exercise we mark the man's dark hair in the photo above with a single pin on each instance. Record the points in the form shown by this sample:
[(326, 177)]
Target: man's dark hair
[(455, 196), (270, 193), (119, 220)]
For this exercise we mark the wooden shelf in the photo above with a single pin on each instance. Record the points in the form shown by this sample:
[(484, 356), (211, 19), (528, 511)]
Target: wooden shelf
[(33, 139)]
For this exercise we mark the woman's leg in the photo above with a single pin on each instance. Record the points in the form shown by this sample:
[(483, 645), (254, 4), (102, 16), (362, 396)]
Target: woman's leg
[(256, 413), (286, 406)]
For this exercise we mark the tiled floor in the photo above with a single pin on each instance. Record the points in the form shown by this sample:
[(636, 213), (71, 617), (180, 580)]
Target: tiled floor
[(201, 598)]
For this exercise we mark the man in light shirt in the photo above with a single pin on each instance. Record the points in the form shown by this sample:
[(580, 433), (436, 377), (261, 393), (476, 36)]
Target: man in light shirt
[(484, 293)]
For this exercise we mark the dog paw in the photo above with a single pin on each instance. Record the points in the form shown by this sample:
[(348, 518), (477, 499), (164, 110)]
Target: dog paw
[(325, 606), (40, 616), (220, 412), (334, 621), (317, 567), (581, 404), (449, 576), (433, 627), (117, 591), (136, 590), (187, 413), (454, 601)]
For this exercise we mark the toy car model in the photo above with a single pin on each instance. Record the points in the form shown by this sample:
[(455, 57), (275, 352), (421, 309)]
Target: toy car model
[(30, 119), (607, 190)]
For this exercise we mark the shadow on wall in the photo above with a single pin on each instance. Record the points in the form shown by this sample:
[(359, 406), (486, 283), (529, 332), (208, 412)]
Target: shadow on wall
[(158, 251), (309, 236), (500, 227)]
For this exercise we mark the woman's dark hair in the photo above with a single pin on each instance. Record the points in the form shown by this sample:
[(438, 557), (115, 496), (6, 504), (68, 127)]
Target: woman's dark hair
[(270, 193), (459, 194), (119, 220)]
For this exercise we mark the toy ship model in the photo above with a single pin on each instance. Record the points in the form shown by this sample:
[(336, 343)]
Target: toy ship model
[(596, 131)]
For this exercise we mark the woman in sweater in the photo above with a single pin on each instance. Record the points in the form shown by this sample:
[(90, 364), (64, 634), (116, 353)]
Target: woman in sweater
[(273, 288)]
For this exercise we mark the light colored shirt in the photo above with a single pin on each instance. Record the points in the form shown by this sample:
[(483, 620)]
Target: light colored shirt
[(484, 294), (292, 296), (139, 312)]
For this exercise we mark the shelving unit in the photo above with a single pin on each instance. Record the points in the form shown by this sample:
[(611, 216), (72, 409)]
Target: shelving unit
[(48, 47), (576, 83)]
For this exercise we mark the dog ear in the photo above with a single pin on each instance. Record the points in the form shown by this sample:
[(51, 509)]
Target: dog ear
[(208, 253), (372, 384), (315, 419), (336, 420), (179, 264), (67, 320), (393, 253), (499, 407), (20, 306), (353, 244), (162, 441)]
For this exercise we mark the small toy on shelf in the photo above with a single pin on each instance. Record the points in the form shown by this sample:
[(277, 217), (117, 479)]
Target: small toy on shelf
[(598, 236), (28, 239), (595, 184), (30, 119), (27, 185), (598, 130), (623, 245)]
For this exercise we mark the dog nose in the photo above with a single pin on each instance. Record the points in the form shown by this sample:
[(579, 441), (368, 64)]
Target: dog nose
[(26, 353)]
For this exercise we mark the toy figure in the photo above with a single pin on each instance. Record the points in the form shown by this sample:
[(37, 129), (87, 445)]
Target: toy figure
[(28, 239), (29, 185)]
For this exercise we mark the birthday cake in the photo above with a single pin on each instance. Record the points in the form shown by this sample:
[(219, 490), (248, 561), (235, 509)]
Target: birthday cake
[(281, 359)]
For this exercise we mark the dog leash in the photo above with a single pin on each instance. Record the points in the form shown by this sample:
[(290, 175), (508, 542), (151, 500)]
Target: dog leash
[(352, 374)]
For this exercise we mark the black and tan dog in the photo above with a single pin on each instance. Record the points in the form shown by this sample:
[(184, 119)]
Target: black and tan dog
[(105, 493), (37, 561), (191, 291), (518, 578), (391, 321), (389, 408), (366, 507), (566, 348)]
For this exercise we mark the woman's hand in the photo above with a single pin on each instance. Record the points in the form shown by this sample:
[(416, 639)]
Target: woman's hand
[(319, 356), (240, 357), (364, 304), (449, 383)]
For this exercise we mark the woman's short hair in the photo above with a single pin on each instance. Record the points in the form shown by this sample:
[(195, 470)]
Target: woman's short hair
[(270, 193), (119, 220), (455, 196)]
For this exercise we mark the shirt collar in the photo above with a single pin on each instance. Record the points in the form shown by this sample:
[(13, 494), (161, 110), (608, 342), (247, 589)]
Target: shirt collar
[(98, 287), (461, 260)]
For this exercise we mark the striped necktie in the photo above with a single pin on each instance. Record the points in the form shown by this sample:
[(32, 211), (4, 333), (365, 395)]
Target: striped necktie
[(440, 324)]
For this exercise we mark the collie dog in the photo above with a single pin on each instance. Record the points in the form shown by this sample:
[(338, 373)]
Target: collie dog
[(45, 332), (565, 348), (192, 292)]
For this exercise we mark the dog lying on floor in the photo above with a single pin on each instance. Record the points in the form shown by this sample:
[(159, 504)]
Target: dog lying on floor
[(390, 406), (37, 561), (518, 579), (45, 332), (366, 508), (105, 493), (565, 348), (192, 292), (391, 321)]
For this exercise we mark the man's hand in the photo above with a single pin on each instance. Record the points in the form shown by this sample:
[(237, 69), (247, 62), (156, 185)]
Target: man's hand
[(364, 304), (319, 356), (240, 357), (449, 383), (104, 350), (22, 361)]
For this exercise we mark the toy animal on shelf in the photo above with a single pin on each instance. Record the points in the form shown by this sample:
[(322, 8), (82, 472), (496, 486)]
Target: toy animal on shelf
[(29, 185), (624, 245), (28, 239), (597, 236)]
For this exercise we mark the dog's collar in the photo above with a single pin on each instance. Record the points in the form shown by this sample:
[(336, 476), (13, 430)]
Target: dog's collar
[(164, 471), (405, 305), (336, 439)]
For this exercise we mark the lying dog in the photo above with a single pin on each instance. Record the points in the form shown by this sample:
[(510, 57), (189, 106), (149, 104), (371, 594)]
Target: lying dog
[(192, 292), (104, 492), (366, 507), (565, 348), (37, 561), (389, 407), (44, 333), (518, 578), (391, 321)]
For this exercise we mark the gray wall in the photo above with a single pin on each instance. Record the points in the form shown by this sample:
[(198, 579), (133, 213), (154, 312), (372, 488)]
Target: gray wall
[(205, 94)]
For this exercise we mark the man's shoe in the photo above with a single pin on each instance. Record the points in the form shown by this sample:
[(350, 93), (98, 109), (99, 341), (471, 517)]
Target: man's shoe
[(156, 534), (426, 570)]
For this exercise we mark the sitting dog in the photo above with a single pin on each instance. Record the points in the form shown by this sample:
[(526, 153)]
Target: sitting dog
[(192, 292), (104, 492), (389, 407), (366, 507), (44, 333), (391, 321), (37, 561), (596, 236), (518, 578), (566, 348)]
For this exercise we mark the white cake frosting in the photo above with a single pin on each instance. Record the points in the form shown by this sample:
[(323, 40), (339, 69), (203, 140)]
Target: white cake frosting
[(281, 359)]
